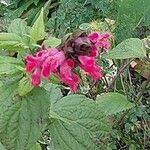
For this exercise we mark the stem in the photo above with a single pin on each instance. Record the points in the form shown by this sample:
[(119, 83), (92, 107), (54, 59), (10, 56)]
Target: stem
[(140, 94), (121, 70), (123, 86), (106, 81)]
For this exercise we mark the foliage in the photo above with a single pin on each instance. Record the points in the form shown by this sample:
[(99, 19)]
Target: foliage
[(37, 30), (18, 7), (10, 66), (50, 116), (130, 48), (75, 117), (130, 15), (71, 14), (22, 118), (112, 103)]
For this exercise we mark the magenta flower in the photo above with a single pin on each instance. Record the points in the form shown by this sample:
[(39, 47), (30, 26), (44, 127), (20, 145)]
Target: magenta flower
[(36, 77), (67, 76), (31, 62), (33, 66), (45, 62), (88, 64), (100, 40), (51, 63), (77, 50), (94, 51)]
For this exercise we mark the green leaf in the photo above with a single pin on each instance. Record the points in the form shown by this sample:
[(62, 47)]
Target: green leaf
[(34, 12), (1, 83), (38, 29), (77, 123), (55, 92), (10, 65), (85, 26), (70, 14), (22, 6), (52, 42), (2, 147), (25, 86), (36, 147), (112, 103), (12, 60), (19, 27), (130, 48), (22, 119), (11, 41), (131, 13)]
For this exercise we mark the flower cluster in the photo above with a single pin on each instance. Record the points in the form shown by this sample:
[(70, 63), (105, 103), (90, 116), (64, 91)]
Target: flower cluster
[(77, 50)]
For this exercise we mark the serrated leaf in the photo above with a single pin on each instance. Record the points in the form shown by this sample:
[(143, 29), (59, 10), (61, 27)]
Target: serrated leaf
[(76, 123), (12, 60), (11, 41), (112, 103), (19, 27), (22, 119), (38, 28), (52, 42), (55, 91), (130, 48), (9, 65), (25, 86)]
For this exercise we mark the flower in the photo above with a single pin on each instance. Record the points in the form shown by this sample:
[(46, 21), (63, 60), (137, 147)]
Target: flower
[(67, 76), (100, 40), (43, 63), (36, 77), (77, 50), (51, 63), (31, 62), (88, 64)]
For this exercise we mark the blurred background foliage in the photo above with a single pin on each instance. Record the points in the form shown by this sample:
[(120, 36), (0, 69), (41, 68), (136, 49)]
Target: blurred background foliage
[(124, 19)]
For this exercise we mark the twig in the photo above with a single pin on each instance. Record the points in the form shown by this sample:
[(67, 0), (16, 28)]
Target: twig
[(140, 94), (121, 70)]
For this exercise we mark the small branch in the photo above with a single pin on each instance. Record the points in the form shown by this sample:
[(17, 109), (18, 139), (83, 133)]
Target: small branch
[(121, 70), (140, 94)]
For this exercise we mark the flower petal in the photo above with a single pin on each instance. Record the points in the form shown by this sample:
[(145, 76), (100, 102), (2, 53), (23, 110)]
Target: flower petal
[(88, 64), (36, 77), (67, 76)]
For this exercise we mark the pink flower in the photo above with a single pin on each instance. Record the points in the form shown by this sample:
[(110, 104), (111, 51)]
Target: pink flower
[(51, 63), (67, 76), (78, 50), (36, 77), (31, 62), (100, 40), (88, 64), (94, 51), (94, 36), (43, 63)]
